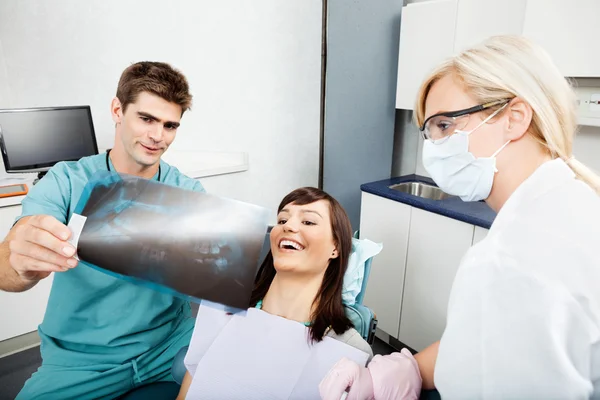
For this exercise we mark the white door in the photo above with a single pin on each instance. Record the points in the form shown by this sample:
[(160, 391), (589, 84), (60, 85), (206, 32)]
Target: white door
[(387, 222), (435, 248)]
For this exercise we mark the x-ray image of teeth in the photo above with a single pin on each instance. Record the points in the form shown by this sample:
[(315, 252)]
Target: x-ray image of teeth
[(194, 245)]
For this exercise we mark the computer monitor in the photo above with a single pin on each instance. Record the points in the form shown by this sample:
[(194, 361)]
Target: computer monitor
[(34, 139)]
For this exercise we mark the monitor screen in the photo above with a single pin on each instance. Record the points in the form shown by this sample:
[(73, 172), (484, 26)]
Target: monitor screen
[(35, 139)]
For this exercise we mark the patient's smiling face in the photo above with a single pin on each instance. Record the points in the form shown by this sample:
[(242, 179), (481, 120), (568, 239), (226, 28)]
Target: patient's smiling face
[(302, 241)]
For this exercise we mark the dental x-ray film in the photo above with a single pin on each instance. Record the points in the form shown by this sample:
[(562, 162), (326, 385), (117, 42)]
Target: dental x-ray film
[(189, 244)]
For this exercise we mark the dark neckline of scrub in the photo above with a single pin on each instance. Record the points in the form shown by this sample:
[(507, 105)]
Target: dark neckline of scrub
[(108, 164)]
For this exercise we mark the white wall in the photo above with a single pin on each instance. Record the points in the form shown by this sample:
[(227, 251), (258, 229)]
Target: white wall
[(4, 88), (253, 67), (586, 147), (406, 139), (420, 169)]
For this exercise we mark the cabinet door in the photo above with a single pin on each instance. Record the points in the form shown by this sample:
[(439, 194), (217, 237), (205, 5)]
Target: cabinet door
[(20, 313), (479, 234), (477, 20), (568, 30), (386, 221), (435, 248), (426, 38)]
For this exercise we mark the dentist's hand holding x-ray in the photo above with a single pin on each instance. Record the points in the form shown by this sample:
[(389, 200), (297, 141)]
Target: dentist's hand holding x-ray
[(523, 319)]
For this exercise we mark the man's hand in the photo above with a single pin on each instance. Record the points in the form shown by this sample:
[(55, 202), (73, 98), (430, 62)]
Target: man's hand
[(38, 246)]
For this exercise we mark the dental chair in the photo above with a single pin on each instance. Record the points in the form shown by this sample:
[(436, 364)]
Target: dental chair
[(362, 317)]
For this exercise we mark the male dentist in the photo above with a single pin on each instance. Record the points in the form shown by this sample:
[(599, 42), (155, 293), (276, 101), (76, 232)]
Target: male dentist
[(102, 337)]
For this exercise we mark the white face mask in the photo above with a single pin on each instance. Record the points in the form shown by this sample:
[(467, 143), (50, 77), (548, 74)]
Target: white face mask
[(457, 171)]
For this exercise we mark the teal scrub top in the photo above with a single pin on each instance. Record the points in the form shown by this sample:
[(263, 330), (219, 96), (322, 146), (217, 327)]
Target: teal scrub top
[(91, 317)]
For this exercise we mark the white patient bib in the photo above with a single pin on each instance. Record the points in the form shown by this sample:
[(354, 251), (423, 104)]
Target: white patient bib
[(261, 356)]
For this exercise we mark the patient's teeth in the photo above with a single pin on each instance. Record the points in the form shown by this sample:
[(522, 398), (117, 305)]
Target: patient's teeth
[(292, 244), (204, 248), (221, 263)]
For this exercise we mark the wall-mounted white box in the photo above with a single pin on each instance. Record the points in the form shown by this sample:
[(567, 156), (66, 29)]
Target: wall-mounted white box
[(588, 101)]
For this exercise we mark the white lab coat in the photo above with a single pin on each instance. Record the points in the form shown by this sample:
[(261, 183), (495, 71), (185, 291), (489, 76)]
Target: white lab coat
[(524, 311)]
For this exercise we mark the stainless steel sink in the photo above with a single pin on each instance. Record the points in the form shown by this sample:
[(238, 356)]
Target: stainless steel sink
[(422, 190)]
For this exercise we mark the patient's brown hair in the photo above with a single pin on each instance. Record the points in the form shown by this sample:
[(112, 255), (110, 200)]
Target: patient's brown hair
[(156, 78), (329, 310)]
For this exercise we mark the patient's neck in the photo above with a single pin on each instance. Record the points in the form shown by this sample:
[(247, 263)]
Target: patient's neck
[(291, 297)]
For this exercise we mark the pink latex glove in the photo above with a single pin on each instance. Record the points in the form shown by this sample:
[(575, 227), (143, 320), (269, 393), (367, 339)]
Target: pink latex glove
[(392, 377), (395, 376), (343, 375)]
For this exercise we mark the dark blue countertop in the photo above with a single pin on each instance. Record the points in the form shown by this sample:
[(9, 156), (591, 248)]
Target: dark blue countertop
[(477, 213)]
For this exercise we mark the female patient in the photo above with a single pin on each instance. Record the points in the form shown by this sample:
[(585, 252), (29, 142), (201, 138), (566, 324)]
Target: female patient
[(301, 278)]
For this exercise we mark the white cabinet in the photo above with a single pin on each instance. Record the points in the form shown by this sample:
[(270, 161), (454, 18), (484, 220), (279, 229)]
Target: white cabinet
[(426, 38), (568, 30), (20, 313), (435, 248), (385, 221), (432, 31), (8, 215), (479, 234), (25, 311), (435, 30), (411, 279), (476, 20)]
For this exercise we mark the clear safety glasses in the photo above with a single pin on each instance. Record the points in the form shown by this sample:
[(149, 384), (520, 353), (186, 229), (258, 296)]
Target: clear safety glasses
[(439, 127)]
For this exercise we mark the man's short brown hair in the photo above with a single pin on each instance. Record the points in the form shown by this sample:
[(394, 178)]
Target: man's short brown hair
[(157, 78)]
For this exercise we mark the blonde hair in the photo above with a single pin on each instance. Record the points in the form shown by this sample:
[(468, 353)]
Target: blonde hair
[(503, 67)]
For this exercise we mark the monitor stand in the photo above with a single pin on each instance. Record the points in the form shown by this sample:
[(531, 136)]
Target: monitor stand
[(40, 175)]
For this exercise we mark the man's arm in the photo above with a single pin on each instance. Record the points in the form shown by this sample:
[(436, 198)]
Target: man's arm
[(10, 280), (35, 247), (185, 386), (426, 360)]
